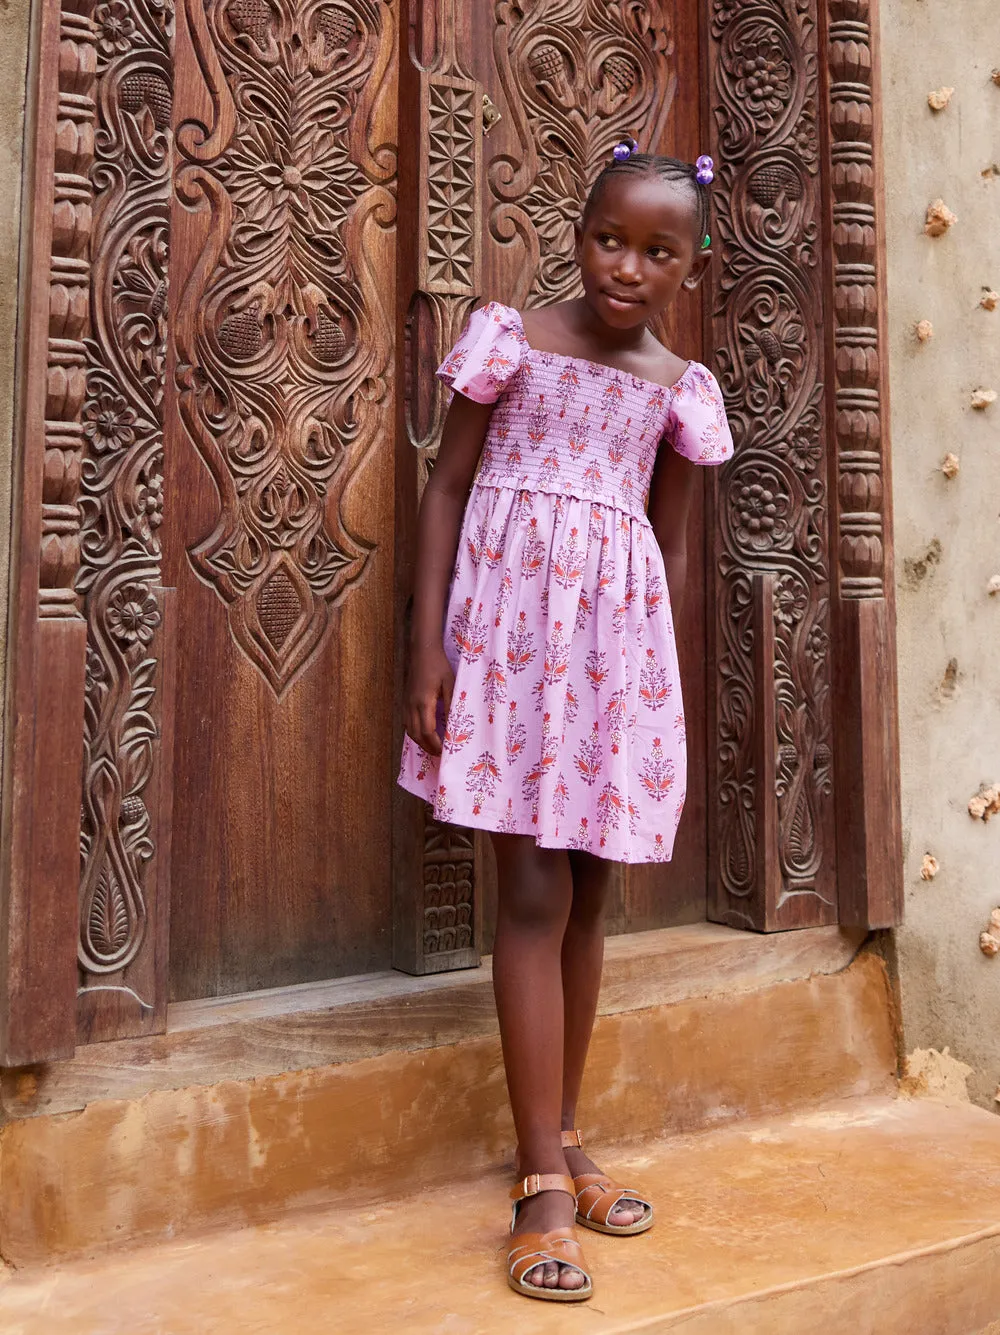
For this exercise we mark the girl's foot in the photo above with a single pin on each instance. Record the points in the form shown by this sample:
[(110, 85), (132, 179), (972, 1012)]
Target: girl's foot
[(626, 1212), (542, 1213)]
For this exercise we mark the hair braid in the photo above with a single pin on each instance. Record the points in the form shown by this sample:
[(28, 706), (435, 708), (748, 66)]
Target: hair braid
[(669, 169)]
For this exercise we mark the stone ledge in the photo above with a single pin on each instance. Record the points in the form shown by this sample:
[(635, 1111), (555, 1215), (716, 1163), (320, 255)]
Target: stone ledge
[(322, 1024), (248, 1151), (874, 1217)]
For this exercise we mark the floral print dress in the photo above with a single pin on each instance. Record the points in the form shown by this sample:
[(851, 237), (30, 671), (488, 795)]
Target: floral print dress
[(566, 721)]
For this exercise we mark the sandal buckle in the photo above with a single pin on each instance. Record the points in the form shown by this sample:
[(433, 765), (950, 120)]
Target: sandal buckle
[(532, 1184)]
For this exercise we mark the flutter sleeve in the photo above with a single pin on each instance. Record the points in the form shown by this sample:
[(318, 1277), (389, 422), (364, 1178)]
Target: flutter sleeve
[(487, 356), (696, 424)]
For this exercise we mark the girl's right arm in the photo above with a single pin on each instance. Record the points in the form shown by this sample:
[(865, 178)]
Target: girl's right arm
[(430, 676)]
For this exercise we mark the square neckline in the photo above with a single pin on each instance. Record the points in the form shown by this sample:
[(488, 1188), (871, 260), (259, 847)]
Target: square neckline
[(605, 366)]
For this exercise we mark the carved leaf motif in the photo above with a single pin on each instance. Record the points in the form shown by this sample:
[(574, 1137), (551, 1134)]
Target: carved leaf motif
[(109, 920)]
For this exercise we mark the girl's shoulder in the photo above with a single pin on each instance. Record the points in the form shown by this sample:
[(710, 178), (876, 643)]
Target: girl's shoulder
[(488, 353), (697, 426)]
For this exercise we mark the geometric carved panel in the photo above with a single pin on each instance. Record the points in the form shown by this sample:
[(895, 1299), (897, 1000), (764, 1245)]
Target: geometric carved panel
[(281, 360)]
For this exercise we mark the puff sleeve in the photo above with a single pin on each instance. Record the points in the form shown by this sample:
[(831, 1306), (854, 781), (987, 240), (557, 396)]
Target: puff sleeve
[(696, 423), (487, 356)]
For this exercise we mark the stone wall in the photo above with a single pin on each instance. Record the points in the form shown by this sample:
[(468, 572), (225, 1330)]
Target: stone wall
[(947, 528)]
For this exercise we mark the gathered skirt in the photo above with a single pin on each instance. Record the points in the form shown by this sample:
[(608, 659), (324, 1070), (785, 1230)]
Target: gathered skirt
[(566, 722)]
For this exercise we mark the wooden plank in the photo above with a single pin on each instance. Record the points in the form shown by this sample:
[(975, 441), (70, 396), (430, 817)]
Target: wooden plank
[(38, 923), (870, 828), (40, 936)]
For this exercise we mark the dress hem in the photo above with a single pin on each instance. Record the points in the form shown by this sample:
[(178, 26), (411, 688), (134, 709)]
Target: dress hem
[(497, 822)]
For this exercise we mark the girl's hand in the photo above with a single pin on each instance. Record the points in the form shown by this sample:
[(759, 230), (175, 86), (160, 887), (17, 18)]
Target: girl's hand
[(430, 680)]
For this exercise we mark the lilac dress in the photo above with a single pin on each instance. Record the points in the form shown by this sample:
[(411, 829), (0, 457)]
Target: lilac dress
[(566, 722)]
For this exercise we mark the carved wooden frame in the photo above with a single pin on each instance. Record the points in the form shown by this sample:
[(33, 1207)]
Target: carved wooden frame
[(805, 746), (805, 720)]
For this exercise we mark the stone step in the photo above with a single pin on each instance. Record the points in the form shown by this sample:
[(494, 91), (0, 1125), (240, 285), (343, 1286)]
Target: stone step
[(767, 1026), (860, 1217)]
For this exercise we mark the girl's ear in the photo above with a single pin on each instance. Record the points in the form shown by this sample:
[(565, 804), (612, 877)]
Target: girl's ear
[(697, 270)]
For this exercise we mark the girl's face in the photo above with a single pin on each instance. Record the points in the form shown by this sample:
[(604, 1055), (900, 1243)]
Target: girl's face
[(638, 249)]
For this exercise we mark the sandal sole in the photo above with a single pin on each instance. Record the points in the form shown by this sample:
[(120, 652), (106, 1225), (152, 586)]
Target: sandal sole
[(623, 1231), (551, 1295)]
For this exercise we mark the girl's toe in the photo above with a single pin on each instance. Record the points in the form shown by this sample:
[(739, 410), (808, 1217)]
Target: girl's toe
[(550, 1275), (571, 1278)]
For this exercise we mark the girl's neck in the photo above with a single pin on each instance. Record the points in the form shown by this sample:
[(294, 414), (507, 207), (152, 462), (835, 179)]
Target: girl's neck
[(594, 330)]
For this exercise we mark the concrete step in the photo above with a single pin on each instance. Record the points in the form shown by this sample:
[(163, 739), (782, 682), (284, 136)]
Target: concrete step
[(862, 1217), (219, 1125)]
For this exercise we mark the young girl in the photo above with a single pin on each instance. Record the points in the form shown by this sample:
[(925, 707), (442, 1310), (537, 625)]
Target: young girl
[(543, 701)]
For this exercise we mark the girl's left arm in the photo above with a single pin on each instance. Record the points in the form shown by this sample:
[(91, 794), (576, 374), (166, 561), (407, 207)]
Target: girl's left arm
[(670, 495)]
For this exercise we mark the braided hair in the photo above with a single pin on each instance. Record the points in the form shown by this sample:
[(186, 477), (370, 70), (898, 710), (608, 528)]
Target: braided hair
[(668, 169)]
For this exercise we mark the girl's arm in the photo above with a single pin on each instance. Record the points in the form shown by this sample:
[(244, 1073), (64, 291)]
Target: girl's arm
[(430, 676), (670, 495)]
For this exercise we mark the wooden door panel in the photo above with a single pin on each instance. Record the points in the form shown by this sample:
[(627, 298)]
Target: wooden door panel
[(279, 538)]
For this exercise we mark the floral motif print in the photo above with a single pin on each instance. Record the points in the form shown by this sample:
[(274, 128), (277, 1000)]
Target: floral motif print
[(566, 722)]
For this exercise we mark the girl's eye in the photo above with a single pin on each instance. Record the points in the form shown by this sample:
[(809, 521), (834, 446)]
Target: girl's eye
[(659, 252), (608, 241)]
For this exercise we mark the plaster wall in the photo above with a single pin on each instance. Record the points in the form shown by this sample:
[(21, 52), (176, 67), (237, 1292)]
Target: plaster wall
[(15, 16), (947, 531)]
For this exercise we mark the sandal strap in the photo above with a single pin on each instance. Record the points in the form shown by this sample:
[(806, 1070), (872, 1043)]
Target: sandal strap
[(559, 1245), (597, 1196), (572, 1140), (536, 1182)]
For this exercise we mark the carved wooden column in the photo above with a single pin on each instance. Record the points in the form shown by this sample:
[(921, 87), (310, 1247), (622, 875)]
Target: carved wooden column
[(773, 839), (42, 772), (436, 925), (866, 711), (127, 752)]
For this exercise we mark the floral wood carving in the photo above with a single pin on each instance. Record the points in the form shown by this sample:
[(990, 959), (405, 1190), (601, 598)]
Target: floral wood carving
[(122, 481), (69, 312), (576, 74), (857, 371), (281, 339), (768, 325)]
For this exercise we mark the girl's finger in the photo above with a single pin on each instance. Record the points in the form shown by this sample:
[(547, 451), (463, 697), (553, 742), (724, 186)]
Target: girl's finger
[(447, 687), (430, 740)]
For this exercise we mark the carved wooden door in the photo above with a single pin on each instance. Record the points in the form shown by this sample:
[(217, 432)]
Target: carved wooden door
[(226, 366)]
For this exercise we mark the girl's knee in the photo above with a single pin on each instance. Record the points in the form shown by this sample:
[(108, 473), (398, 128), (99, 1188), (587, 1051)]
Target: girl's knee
[(535, 887), (592, 878)]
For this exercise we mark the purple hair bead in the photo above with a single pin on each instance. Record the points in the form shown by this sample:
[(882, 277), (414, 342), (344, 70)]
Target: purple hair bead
[(624, 150), (704, 170)]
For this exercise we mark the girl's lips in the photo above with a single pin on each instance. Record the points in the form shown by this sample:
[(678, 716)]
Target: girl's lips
[(619, 299)]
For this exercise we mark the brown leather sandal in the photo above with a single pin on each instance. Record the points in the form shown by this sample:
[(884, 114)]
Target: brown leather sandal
[(596, 1196), (559, 1244)]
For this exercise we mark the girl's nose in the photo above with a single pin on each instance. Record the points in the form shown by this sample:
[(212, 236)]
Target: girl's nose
[(627, 268)]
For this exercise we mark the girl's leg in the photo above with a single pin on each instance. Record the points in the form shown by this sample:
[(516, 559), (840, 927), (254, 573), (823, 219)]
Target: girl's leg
[(582, 961), (535, 894)]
